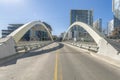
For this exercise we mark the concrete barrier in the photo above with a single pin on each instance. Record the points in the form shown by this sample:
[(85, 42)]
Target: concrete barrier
[(90, 47), (7, 47), (25, 47)]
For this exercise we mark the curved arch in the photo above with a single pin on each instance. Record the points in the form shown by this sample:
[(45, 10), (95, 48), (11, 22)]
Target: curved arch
[(18, 34), (96, 35), (105, 47)]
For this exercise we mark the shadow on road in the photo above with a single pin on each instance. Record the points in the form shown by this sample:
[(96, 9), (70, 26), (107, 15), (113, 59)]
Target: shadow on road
[(30, 54), (35, 53)]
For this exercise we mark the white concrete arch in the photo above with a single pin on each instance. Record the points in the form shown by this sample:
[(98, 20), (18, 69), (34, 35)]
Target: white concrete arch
[(104, 46), (97, 36), (18, 34)]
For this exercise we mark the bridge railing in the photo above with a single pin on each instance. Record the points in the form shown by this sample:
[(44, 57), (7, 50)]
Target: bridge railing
[(25, 46), (85, 45)]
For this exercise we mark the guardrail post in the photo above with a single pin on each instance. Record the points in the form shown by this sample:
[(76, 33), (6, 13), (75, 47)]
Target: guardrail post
[(25, 48)]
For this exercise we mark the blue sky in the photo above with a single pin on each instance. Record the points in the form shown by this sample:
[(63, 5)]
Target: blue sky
[(54, 12)]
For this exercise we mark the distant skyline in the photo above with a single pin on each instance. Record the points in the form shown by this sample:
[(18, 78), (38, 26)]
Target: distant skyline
[(54, 12)]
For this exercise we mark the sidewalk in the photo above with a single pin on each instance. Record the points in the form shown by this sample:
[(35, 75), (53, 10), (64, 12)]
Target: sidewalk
[(17, 55), (100, 56), (106, 59)]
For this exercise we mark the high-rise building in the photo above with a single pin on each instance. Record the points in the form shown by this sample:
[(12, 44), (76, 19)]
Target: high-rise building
[(116, 22), (116, 8), (85, 16), (116, 15), (98, 24), (116, 12), (110, 27)]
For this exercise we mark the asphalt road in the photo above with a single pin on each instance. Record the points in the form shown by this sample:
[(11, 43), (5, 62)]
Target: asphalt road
[(58, 62)]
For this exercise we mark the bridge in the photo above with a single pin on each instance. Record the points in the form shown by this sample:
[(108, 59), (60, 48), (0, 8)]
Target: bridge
[(10, 44), (66, 60), (104, 45)]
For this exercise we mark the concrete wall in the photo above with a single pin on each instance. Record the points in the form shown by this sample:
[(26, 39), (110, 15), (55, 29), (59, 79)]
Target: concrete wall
[(107, 49), (7, 47)]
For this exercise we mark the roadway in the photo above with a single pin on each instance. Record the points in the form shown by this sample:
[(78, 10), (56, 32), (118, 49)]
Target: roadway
[(58, 62)]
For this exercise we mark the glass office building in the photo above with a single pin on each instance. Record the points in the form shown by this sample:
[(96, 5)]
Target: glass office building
[(116, 12), (85, 16)]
